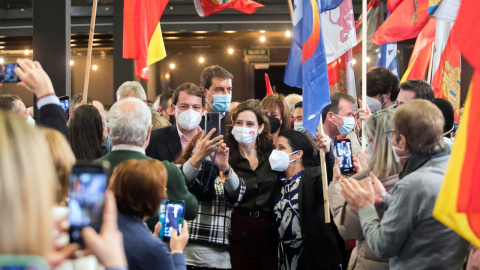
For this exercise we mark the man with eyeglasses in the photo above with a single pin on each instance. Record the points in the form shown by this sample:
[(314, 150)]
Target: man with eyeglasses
[(408, 234), (188, 103)]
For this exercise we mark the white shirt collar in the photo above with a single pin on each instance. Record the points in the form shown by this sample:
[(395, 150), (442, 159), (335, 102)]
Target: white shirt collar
[(128, 147)]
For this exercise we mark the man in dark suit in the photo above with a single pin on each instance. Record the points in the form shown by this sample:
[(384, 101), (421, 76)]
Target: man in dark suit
[(188, 102), (36, 80), (216, 83)]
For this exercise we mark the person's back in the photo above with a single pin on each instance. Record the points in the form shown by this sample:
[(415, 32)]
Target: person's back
[(428, 244)]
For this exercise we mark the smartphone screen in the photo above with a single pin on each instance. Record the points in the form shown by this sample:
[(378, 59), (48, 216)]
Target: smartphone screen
[(8, 74), (344, 153), (172, 214), (212, 120), (64, 103), (86, 200)]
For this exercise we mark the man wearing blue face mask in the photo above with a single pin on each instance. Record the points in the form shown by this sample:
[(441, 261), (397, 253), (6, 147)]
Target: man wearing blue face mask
[(338, 119), (216, 83)]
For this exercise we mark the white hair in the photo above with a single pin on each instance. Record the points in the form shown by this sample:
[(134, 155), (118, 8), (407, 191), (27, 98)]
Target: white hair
[(131, 89), (292, 99), (128, 121)]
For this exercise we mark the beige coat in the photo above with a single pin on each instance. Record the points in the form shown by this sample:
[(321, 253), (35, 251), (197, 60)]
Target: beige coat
[(159, 121), (348, 224)]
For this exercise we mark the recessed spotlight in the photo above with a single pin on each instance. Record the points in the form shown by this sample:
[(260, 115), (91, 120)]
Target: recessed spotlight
[(368, 59), (201, 59), (26, 52), (354, 61), (230, 32), (288, 33), (94, 67), (230, 51), (167, 76), (262, 31), (71, 62), (172, 66), (262, 39)]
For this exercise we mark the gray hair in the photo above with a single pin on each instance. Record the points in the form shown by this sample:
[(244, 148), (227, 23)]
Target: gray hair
[(293, 99), (131, 89), (128, 121)]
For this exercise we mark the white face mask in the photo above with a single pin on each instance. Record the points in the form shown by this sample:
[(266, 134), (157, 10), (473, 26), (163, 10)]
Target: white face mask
[(244, 135), (189, 119), (279, 160), (30, 121), (397, 157)]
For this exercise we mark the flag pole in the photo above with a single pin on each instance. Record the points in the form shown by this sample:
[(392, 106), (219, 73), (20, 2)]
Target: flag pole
[(290, 7), (430, 65), (364, 67), (323, 167), (89, 53)]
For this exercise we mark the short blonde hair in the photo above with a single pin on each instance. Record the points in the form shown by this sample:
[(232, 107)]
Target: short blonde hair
[(27, 181), (63, 158)]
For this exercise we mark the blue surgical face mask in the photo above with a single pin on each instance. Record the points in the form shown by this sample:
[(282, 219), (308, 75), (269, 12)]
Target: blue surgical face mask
[(221, 103), (348, 125), (298, 126)]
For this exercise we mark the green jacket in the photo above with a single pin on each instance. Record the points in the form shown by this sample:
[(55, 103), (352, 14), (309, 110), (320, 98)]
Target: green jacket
[(176, 187)]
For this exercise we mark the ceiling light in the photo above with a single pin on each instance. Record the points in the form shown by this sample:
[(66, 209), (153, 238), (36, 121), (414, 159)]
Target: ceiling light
[(288, 33), (201, 59), (262, 39), (94, 67), (167, 76), (262, 31), (71, 62), (230, 51), (230, 32), (354, 61), (26, 52), (172, 66), (368, 59)]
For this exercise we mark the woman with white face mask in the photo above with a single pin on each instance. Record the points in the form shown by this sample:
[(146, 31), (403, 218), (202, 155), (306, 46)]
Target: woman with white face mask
[(306, 241), (253, 241)]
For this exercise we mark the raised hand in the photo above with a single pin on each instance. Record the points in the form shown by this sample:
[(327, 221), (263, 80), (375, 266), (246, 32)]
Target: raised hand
[(34, 78), (205, 147)]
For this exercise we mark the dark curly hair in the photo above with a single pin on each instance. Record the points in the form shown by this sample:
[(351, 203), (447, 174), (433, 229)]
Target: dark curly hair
[(264, 141), (382, 81), (299, 141)]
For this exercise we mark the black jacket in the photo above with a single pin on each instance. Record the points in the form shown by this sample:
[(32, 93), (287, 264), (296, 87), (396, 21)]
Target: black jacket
[(53, 116), (323, 245), (164, 144)]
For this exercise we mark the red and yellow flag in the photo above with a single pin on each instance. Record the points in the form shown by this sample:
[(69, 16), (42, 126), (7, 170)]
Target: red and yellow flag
[(422, 53), (142, 35), (458, 203)]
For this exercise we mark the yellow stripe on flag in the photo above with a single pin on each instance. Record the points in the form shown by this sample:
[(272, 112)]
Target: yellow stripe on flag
[(156, 48), (409, 68), (446, 206)]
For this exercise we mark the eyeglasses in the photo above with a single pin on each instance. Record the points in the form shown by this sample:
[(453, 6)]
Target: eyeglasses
[(390, 134)]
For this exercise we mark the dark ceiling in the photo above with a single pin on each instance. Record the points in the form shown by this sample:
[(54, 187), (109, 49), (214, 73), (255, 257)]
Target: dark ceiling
[(182, 28)]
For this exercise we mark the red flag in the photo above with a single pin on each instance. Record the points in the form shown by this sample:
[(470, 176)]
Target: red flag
[(422, 53), (407, 20), (142, 36), (467, 32), (268, 85), (208, 7), (392, 5)]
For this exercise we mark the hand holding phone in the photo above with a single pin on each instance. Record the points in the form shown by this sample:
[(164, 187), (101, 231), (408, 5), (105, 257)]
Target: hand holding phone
[(86, 199), (171, 215), (212, 120), (344, 154)]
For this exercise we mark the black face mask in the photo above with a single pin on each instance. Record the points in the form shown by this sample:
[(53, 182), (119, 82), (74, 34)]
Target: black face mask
[(171, 119), (274, 124)]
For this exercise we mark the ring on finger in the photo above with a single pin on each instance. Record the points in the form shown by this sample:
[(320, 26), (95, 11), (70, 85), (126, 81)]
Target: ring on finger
[(214, 147)]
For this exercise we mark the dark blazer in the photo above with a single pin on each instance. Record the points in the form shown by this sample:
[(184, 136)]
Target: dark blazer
[(323, 245), (53, 116), (143, 250), (164, 144)]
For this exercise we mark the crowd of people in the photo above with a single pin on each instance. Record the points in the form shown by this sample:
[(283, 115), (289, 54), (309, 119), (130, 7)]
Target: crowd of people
[(253, 192)]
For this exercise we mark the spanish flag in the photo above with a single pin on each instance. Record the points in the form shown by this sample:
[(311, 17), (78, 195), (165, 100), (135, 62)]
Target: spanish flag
[(458, 203), (142, 35)]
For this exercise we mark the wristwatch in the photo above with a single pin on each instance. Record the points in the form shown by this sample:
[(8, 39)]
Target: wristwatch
[(226, 171)]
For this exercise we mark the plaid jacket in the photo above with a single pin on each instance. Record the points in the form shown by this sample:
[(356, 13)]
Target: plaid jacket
[(213, 223)]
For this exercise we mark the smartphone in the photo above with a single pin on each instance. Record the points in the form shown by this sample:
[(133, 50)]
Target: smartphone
[(344, 154), (86, 198), (212, 120), (8, 75), (171, 215), (64, 103)]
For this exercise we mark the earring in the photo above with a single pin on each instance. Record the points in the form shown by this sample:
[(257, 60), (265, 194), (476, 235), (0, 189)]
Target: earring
[(294, 161)]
